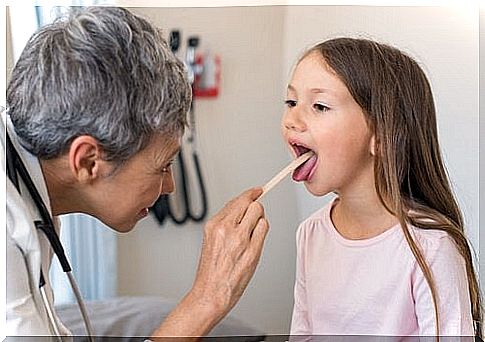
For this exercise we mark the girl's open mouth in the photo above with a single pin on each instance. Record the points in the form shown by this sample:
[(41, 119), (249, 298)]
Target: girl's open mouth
[(305, 171)]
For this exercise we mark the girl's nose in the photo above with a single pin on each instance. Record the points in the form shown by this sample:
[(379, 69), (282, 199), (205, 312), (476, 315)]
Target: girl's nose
[(293, 121)]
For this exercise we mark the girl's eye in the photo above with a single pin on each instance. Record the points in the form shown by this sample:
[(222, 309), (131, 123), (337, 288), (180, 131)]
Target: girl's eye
[(320, 107), (290, 103)]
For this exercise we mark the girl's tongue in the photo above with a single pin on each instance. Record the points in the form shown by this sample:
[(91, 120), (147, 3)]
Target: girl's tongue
[(303, 172)]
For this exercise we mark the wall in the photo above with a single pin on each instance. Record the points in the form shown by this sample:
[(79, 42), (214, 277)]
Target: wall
[(8, 45), (482, 141), (240, 147)]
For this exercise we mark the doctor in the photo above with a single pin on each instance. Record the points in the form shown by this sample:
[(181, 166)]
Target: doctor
[(97, 106)]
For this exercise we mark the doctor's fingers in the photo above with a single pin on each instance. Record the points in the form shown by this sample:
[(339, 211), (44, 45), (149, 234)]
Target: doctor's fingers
[(251, 217), (247, 263), (258, 236), (239, 235), (235, 209)]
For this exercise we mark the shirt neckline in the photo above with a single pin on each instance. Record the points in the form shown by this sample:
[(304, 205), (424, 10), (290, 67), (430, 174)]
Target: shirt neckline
[(360, 242)]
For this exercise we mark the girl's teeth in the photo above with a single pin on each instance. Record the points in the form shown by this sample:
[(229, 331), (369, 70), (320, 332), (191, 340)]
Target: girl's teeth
[(299, 150)]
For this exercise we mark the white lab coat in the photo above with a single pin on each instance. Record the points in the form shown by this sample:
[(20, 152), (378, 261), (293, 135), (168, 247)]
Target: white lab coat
[(27, 249)]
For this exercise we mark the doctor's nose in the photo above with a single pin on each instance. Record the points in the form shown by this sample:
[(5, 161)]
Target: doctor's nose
[(292, 121), (168, 184)]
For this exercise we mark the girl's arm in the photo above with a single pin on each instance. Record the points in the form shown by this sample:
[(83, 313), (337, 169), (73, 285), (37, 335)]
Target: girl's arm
[(299, 321), (449, 273)]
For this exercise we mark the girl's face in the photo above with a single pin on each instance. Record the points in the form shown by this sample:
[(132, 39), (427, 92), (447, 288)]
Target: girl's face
[(321, 115)]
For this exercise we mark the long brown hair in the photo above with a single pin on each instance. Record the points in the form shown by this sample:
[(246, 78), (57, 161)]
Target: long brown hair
[(410, 177)]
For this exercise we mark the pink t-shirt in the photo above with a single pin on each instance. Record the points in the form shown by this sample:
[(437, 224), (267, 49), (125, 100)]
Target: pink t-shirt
[(375, 286)]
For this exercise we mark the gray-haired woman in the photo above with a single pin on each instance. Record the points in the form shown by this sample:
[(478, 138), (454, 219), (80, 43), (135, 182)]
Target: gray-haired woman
[(97, 106)]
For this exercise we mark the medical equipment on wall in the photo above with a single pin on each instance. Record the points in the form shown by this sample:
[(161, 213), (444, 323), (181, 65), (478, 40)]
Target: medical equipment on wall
[(207, 82), (15, 168), (179, 205)]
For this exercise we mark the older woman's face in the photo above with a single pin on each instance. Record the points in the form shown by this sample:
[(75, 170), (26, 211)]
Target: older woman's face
[(126, 196)]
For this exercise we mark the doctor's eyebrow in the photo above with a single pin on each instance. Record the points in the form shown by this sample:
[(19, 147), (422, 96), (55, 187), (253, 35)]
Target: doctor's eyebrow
[(174, 153), (171, 156)]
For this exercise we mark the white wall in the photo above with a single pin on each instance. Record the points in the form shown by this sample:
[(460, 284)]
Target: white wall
[(482, 141), (445, 42), (240, 147), (8, 45), (240, 144)]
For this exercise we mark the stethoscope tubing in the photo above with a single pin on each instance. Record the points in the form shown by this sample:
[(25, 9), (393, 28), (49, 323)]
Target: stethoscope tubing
[(81, 305), (50, 313), (16, 166), (189, 213)]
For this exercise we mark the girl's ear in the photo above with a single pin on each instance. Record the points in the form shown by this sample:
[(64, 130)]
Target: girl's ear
[(372, 145)]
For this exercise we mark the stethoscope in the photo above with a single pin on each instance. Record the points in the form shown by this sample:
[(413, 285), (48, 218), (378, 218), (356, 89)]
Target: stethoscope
[(15, 168)]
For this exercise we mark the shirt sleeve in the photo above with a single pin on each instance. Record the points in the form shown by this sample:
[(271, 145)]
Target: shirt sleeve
[(449, 273), (299, 321)]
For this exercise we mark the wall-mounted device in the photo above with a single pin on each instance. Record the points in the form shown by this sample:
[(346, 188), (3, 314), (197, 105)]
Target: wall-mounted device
[(179, 206)]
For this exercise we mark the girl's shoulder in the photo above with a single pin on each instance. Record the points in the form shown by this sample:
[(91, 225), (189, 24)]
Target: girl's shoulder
[(319, 219), (434, 242)]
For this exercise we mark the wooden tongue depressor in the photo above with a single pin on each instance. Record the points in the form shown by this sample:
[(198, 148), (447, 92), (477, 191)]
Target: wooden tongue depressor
[(287, 170)]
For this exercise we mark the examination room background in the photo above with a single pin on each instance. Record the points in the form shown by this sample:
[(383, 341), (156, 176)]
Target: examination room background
[(240, 145)]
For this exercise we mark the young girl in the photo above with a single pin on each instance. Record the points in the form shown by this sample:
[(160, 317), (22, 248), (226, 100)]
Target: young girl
[(388, 255)]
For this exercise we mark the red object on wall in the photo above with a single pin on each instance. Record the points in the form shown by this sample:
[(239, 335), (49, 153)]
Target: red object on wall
[(207, 81)]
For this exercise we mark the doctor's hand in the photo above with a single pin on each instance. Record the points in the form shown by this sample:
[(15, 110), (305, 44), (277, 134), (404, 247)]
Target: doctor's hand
[(233, 241), (231, 249)]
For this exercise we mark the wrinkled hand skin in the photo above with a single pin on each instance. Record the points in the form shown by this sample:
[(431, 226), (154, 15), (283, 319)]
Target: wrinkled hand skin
[(231, 249)]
